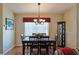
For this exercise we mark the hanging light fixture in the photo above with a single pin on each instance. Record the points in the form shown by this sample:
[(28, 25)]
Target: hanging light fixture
[(39, 20)]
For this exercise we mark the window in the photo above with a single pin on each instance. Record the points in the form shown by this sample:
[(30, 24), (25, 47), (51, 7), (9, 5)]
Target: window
[(31, 28)]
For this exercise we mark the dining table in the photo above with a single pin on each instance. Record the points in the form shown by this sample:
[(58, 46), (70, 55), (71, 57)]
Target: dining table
[(41, 41)]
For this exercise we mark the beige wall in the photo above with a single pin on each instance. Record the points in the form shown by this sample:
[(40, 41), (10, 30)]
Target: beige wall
[(1, 29), (78, 25), (20, 25), (70, 16), (8, 35)]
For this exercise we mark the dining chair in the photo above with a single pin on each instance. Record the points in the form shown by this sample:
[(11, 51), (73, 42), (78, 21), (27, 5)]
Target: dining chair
[(23, 38), (44, 46), (34, 45)]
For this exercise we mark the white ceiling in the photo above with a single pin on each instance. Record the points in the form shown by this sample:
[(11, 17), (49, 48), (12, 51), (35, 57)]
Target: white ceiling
[(44, 7)]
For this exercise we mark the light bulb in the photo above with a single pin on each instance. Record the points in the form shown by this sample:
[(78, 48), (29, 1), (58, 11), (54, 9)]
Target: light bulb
[(35, 20), (43, 20), (40, 20)]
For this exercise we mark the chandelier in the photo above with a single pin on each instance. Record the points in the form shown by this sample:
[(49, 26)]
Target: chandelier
[(39, 20)]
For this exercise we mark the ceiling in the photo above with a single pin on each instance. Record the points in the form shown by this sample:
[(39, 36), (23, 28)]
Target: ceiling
[(44, 7)]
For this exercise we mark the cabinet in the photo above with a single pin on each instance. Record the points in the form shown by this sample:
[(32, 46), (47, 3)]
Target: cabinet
[(61, 34)]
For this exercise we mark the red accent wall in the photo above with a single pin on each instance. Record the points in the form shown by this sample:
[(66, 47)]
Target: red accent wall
[(31, 19)]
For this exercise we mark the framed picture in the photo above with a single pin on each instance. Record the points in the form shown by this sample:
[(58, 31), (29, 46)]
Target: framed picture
[(9, 24)]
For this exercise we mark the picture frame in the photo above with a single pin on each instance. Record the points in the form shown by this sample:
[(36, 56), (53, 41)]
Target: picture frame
[(9, 24)]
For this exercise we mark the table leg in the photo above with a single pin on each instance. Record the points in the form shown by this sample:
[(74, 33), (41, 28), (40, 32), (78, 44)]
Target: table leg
[(47, 51), (23, 50)]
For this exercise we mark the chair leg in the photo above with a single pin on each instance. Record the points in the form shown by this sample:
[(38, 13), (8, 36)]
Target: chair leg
[(38, 51), (47, 52), (27, 50), (30, 50)]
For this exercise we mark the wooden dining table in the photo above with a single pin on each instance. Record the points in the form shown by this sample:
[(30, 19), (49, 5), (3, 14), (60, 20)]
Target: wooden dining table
[(29, 42)]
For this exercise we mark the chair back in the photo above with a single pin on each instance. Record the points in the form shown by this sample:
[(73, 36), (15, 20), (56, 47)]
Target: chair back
[(22, 36)]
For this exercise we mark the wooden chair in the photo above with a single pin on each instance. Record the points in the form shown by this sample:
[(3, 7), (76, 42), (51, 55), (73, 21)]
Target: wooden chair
[(34, 45), (22, 38), (44, 46)]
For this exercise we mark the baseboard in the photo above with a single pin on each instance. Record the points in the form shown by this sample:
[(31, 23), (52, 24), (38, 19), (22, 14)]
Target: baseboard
[(18, 44), (8, 50)]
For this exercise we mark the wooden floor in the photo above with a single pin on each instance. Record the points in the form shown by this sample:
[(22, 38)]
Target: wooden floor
[(15, 51), (18, 51)]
